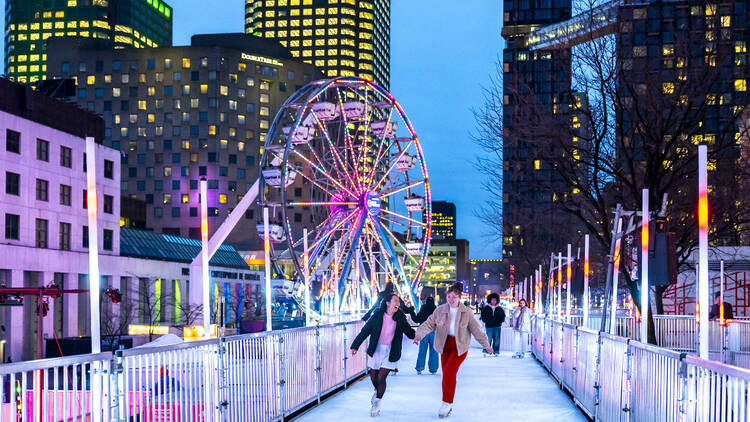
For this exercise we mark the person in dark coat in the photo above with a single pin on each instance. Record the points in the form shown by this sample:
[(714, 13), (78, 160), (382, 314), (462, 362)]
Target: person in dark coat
[(388, 290), (427, 344), (386, 328), (714, 313), (493, 317)]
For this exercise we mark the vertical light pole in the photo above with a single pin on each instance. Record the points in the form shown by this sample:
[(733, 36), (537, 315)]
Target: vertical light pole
[(267, 257), (523, 294), (541, 285), (568, 274), (644, 268), (559, 285), (586, 299), (615, 276), (94, 277), (306, 263), (336, 308), (206, 281), (550, 281), (721, 293), (703, 293)]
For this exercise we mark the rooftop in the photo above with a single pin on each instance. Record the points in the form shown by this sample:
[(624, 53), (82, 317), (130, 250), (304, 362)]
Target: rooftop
[(145, 244)]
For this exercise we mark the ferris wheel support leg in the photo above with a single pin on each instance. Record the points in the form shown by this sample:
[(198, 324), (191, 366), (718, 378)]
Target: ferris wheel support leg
[(347, 263), (394, 260), (196, 290)]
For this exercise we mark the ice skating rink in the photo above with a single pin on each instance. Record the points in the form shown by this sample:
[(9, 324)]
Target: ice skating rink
[(489, 388)]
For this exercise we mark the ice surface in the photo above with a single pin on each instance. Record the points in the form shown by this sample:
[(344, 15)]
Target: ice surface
[(489, 388)]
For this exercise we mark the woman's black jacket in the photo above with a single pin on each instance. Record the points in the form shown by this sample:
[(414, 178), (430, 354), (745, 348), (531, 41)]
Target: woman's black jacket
[(373, 327)]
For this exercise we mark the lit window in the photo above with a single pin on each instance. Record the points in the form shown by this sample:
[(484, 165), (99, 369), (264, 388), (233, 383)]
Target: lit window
[(185, 198), (667, 88), (204, 89), (740, 85), (264, 98), (537, 164), (224, 90), (186, 63), (726, 21), (185, 144), (141, 104), (212, 129)]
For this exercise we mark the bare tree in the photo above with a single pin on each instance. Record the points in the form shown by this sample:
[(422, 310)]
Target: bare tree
[(190, 313), (116, 318), (632, 120), (152, 304)]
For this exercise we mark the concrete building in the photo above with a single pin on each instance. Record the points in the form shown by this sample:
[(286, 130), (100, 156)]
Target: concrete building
[(340, 37), (43, 234), (179, 114), (119, 23)]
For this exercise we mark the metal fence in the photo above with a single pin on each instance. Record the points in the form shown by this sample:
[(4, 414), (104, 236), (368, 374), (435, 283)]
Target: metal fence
[(613, 378), (255, 377)]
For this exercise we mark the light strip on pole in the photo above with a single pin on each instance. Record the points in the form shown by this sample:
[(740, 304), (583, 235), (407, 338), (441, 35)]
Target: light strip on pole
[(586, 298), (267, 257), (306, 263), (721, 293), (206, 281), (703, 293), (559, 285), (94, 277), (568, 274), (644, 267), (615, 277)]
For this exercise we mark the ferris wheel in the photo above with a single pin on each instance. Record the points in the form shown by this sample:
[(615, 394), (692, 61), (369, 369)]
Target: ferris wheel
[(342, 160)]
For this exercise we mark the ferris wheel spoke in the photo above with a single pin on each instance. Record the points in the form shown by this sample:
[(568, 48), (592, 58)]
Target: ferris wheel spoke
[(324, 173), (394, 258), (403, 216), (326, 233), (337, 157), (415, 184), (401, 245), (352, 250), (319, 204), (377, 185)]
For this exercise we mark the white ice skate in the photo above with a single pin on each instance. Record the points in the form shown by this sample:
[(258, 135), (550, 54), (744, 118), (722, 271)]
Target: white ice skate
[(445, 410), (374, 396), (375, 410)]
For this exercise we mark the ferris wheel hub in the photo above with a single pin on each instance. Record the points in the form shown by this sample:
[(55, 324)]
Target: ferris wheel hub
[(371, 202)]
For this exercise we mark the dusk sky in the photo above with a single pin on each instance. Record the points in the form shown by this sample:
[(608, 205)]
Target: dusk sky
[(441, 53)]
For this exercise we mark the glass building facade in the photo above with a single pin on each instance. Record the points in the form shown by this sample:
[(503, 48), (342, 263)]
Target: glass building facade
[(180, 114), (443, 220), (340, 37), (122, 23)]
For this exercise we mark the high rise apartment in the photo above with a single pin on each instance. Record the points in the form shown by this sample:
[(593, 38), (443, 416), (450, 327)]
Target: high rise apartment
[(122, 23), (180, 114), (340, 37)]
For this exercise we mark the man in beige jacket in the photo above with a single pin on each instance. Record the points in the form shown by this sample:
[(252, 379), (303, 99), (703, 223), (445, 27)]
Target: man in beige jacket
[(454, 324)]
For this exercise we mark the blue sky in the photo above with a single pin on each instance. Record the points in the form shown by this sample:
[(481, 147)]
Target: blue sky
[(442, 51)]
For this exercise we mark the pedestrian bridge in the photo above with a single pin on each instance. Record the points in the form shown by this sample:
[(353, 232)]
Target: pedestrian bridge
[(308, 374)]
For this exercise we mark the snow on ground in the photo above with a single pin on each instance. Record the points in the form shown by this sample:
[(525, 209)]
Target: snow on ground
[(489, 388)]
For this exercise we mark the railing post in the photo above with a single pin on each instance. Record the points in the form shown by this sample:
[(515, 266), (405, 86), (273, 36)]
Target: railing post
[(318, 373), (222, 398), (597, 376), (683, 400), (346, 356), (626, 396), (117, 400), (282, 376)]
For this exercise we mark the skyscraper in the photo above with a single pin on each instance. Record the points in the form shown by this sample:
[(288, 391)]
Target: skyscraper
[(122, 23), (340, 37), (443, 220)]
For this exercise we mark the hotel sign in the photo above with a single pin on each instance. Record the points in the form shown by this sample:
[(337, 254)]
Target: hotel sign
[(260, 59)]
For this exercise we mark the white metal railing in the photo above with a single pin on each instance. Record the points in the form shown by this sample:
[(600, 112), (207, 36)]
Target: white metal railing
[(254, 377), (616, 378)]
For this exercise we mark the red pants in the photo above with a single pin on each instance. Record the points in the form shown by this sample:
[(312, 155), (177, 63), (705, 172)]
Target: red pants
[(451, 361)]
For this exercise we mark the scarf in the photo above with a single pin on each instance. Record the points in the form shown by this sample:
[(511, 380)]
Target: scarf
[(517, 322)]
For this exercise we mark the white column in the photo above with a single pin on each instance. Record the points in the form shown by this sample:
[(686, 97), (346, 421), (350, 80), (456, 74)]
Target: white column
[(306, 263), (703, 288), (94, 277), (559, 285), (644, 267), (267, 257), (721, 292)]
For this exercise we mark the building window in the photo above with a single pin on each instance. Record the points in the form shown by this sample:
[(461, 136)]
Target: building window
[(65, 236), (108, 204), (41, 233), (107, 240), (740, 85), (42, 150), (85, 237), (85, 199), (12, 226), (42, 190), (65, 195), (66, 157), (12, 141), (186, 63), (12, 183), (109, 169)]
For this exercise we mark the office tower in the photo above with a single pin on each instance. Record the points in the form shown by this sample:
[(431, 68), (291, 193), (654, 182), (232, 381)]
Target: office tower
[(443, 221), (180, 114), (122, 23), (340, 37)]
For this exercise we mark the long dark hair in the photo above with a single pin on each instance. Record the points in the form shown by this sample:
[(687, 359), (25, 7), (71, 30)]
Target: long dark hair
[(386, 299), (457, 288)]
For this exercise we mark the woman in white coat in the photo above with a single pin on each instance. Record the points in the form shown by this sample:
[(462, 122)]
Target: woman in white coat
[(521, 329)]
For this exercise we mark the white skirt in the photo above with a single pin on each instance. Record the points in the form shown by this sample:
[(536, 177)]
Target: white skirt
[(379, 359)]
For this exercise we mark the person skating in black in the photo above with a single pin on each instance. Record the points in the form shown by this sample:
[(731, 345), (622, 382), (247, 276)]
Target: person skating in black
[(386, 328)]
